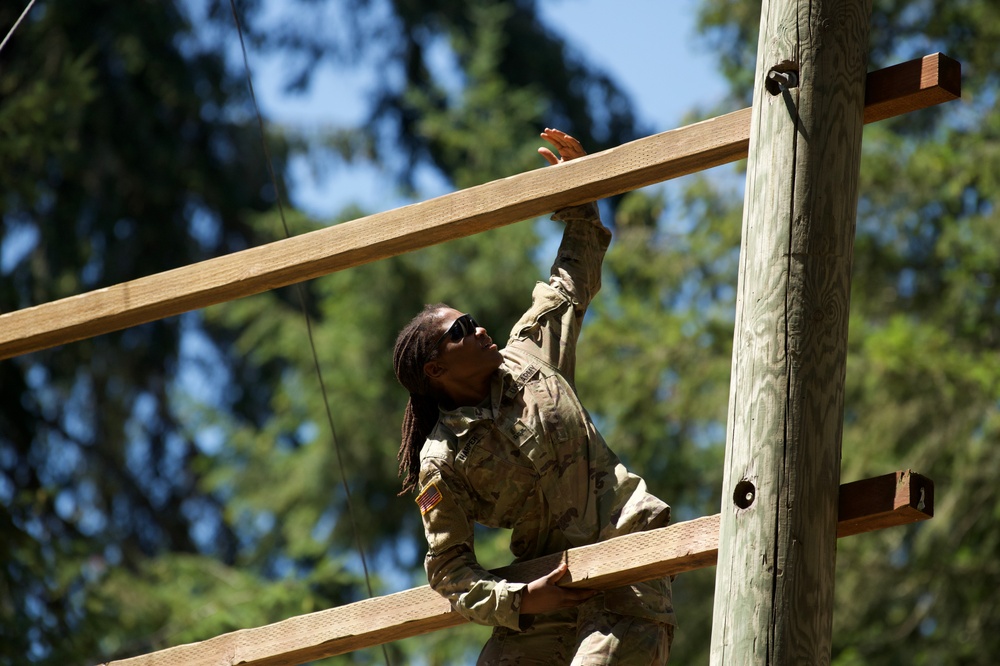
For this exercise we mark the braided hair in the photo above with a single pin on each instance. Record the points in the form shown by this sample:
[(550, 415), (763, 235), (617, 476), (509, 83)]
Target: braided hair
[(415, 346)]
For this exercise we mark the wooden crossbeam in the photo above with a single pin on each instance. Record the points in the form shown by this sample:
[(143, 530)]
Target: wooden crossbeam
[(899, 89), (890, 92), (893, 499)]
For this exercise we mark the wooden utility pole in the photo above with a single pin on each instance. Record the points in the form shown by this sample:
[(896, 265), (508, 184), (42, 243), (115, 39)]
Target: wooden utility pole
[(777, 543)]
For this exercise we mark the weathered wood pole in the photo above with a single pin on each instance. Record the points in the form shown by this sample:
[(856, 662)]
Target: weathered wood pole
[(777, 545)]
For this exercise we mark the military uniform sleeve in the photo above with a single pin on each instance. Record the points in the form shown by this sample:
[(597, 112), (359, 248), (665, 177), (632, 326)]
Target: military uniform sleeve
[(550, 328), (452, 568)]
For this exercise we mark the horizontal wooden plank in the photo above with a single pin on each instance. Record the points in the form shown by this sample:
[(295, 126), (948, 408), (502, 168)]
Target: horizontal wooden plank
[(885, 501), (889, 92), (628, 167), (903, 497)]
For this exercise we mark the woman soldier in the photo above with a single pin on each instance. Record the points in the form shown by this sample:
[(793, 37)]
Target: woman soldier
[(499, 437)]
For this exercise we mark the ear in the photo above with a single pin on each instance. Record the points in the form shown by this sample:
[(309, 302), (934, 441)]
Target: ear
[(433, 369)]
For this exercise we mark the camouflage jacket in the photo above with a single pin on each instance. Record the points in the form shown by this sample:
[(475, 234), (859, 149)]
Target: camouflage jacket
[(529, 458)]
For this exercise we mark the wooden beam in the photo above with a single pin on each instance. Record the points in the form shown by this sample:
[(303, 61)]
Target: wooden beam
[(899, 89), (892, 499), (889, 92), (903, 497)]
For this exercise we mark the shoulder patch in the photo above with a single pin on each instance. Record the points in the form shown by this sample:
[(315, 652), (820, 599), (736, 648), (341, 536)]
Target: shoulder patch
[(521, 380), (428, 498)]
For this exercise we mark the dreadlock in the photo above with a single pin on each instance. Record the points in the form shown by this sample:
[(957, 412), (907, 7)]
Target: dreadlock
[(415, 347)]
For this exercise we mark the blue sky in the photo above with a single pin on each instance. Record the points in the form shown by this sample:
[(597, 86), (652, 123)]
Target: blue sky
[(649, 46)]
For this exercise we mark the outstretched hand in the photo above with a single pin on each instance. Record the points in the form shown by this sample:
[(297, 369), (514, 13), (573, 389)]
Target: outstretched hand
[(543, 595), (568, 147)]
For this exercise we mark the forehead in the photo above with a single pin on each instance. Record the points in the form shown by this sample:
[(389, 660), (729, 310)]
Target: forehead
[(442, 320), (447, 315)]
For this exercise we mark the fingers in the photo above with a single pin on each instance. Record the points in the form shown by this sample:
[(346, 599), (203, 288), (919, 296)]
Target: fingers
[(553, 577), (569, 148), (543, 594), (548, 155)]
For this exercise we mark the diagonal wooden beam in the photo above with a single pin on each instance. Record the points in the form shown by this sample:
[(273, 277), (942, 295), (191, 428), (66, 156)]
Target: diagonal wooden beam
[(893, 499), (899, 89)]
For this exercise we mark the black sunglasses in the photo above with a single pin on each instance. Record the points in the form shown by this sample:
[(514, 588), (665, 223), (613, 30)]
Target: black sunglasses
[(462, 327)]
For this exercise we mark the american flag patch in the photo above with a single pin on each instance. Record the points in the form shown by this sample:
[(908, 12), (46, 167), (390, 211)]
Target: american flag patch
[(428, 498)]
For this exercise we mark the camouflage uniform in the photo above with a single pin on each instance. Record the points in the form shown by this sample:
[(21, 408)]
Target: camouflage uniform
[(529, 459)]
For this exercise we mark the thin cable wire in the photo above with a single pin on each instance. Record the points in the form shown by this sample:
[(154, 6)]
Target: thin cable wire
[(305, 315), (16, 23)]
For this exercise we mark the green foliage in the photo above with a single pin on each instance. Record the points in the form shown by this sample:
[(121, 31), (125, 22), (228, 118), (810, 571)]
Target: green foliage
[(456, 127), (178, 480), (178, 598), (117, 164)]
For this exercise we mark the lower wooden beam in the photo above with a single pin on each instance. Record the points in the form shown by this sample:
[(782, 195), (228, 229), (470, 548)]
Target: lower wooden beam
[(899, 89), (884, 501)]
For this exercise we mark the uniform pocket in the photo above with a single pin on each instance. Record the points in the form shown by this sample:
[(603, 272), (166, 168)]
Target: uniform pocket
[(501, 480)]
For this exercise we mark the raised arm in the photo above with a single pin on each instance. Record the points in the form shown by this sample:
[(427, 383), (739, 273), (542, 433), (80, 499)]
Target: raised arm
[(550, 328)]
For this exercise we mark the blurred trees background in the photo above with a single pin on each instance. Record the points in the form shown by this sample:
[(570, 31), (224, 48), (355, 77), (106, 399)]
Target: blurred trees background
[(177, 480)]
